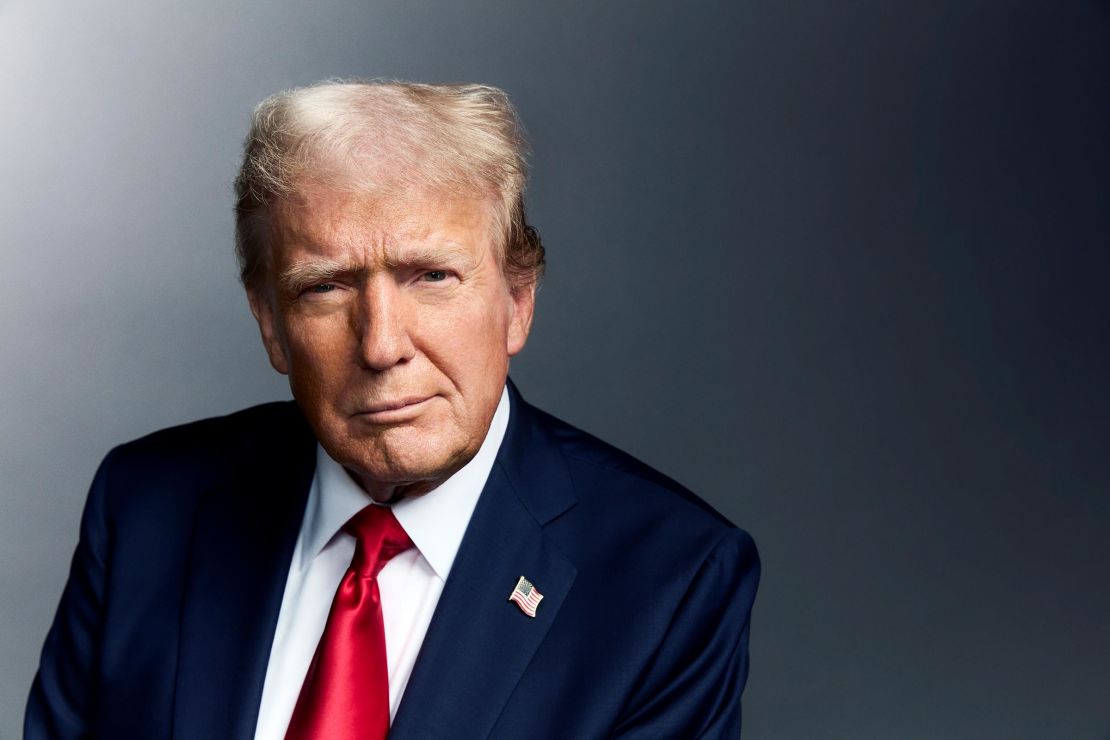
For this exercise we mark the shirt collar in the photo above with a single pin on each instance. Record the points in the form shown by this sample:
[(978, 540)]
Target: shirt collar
[(435, 522)]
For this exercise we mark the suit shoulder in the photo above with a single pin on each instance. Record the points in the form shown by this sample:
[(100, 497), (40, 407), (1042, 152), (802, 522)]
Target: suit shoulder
[(256, 427), (187, 459), (620, 480)]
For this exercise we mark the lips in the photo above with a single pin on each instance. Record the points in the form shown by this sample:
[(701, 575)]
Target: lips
[(396, 409), (393, 405)]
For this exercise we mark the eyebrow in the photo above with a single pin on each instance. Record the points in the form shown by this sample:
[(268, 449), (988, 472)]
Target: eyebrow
[(429, 256), (298, 276)]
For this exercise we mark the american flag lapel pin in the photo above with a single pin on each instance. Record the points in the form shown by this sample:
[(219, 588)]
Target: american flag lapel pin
[(526, 596)]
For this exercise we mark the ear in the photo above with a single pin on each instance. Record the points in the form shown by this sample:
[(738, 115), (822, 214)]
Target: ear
[(520, 321), (262, 306)]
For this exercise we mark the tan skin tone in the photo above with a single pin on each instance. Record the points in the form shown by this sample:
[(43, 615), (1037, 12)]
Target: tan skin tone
[(395, 326)]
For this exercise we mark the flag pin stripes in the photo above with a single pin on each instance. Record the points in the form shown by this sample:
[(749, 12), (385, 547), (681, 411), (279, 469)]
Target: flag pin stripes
[(526, 596)]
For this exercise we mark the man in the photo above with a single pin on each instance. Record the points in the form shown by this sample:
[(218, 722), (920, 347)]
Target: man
[(409, 547)]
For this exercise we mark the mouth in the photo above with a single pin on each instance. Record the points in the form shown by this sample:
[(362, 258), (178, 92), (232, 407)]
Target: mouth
[(393, 410)]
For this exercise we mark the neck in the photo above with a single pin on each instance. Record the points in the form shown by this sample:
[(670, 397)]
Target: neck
[(392, 492)]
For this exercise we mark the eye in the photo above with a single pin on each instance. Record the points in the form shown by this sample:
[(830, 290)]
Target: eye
[(321, 288), (435, 276)]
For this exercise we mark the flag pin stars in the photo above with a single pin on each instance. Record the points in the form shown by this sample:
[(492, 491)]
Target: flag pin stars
[(526, 596)]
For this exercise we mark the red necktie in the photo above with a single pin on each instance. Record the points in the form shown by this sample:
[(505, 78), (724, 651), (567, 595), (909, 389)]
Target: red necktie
[(346, 692)]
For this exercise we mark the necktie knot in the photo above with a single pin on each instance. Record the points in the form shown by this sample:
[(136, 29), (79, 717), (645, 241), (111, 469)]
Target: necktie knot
[(378, 537)]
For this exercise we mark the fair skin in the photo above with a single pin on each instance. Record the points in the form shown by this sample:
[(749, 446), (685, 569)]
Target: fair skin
[(395, 325)]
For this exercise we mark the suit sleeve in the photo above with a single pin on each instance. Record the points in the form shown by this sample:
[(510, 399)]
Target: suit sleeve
[(693, 685), (63, 694)]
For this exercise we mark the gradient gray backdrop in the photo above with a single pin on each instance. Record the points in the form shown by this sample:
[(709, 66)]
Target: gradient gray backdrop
[(839, 267)]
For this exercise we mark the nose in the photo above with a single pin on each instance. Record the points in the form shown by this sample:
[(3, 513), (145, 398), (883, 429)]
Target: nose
[(381, 324)]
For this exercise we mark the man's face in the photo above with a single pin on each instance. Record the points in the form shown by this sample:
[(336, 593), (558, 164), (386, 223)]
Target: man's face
[(395, 325)]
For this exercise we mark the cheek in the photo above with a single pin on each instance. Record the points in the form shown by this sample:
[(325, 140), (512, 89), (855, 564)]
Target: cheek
[(478, 335), (318, 357)]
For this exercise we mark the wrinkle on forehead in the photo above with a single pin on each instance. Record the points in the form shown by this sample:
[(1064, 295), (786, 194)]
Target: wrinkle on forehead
[(357, 230), (317, 208)]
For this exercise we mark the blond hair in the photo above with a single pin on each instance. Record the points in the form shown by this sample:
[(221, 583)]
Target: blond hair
[(385, 138)]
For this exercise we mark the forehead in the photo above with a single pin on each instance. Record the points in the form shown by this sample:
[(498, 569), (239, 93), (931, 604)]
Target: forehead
[(328, 220)]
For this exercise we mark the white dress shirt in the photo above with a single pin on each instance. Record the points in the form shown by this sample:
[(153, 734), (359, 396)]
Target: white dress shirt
[(410, 583)]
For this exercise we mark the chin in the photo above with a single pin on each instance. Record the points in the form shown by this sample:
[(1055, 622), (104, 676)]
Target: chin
[(401, 455)]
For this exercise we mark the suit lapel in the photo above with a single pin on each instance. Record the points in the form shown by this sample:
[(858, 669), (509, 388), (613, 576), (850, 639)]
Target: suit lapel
[(479, 644), (243, 541)]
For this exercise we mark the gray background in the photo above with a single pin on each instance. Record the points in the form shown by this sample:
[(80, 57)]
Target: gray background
[(839, 267)]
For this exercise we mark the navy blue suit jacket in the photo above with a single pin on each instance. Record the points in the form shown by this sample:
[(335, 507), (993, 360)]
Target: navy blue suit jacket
[(165, 625)]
